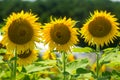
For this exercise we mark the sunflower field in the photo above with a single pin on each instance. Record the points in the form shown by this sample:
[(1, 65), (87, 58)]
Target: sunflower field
[(59, 40)]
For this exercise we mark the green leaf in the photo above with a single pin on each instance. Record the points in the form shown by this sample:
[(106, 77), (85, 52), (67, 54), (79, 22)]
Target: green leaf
[(82, 49), (14, 58), (116, 72), (47, 78), (108, 50), (105, 62), (2, 51), (19, 69), (108, 57), (106, 74), (23, 69), (20, 76), (34, 68), (1, 57), (46, 62), (115, 75), (82, 71), (26, 77), (73, 66)]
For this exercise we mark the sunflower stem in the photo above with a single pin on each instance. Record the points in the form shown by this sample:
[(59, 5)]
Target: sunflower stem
[(14, 66), (97, 67), (64, 66)]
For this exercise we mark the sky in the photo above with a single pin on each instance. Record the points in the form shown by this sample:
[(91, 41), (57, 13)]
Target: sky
[(115, 0), (34, 0), (28, 0)]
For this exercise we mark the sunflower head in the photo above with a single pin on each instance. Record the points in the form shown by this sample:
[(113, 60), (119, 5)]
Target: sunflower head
[(71, 57), (27, 57), (101, 28), (21, 31), (60, 34), (103, 68), (93, 67), (48, 55)]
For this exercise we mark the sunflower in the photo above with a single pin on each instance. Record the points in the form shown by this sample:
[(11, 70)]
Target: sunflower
[(21, 31), (59, 34), (48, 55), (101, 28), (27, 57), (71, 57)]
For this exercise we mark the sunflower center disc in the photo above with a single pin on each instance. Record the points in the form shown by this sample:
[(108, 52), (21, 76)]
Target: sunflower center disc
[(20, 32), (99, 27), (25, 54), (60, 34)]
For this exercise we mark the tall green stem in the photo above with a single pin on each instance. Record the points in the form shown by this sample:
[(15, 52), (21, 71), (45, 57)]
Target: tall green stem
[(64, 66), (14, 66), (97, 55)]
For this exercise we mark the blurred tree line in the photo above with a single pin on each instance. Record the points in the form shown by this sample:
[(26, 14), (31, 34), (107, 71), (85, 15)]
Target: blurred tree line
[(76, 9)]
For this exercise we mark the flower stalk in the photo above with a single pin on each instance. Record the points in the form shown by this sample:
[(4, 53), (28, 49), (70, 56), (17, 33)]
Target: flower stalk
[(14, 66), (64, 65), (97, 61)]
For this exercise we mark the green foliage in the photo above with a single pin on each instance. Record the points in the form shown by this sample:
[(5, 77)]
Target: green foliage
[(75, 70), (83, 49), (46, 62), (73, 66), (82, 71), (33, 68)]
